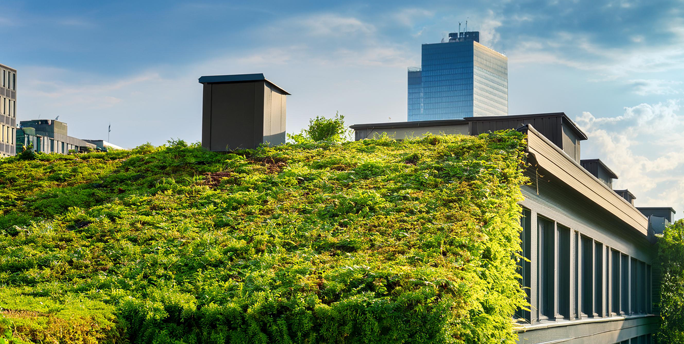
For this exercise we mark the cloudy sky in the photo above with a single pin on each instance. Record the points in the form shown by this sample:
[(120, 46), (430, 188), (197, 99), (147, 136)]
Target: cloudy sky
[(615, 67)]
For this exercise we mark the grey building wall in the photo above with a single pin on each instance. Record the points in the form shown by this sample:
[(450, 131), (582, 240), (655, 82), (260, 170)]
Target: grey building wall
[(561, 293), (8, 110)]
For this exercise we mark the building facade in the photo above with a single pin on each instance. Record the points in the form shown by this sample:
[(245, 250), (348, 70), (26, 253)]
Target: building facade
[(457, 79), (589, 252), (8, 110), (49, 136)]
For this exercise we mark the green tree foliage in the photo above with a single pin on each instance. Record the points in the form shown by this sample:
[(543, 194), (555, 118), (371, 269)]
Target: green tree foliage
[(375, 241), (323, 129), (671, 260)]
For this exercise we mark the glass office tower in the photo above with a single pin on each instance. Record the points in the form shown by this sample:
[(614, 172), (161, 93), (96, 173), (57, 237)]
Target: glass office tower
[(459, 78)]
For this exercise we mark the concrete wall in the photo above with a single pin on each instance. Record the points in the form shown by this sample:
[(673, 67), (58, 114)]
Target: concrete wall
[(403, 133)]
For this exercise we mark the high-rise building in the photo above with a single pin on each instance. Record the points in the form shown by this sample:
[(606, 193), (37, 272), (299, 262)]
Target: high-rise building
[(8, 110), (459, 78)]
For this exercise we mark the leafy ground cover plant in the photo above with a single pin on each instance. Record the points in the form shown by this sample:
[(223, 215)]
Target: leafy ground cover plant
[(671, 271), (375, 241)]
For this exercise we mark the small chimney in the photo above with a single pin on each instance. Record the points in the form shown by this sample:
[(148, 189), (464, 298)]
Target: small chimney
[(597, 168), (242, 111), (626, 195)]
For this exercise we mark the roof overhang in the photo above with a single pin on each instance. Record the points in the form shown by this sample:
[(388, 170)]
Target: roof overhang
[(235, 78), (562, 166)]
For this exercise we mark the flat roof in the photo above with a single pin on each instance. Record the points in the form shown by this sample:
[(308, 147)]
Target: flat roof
[(414, 124), (670, 208), (465, 120), (8, 67), (226, 79)]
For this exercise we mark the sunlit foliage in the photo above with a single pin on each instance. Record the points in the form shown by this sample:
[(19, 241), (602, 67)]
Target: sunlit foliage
[(376, 241)]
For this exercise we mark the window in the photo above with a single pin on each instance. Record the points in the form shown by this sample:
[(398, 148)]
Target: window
[(615, 282), (649, 280), (598, 279), (587, 276), (547, 245), (633, 286), (563, 270), (624, 288), (578, 278), (641, 287), (524, 265)]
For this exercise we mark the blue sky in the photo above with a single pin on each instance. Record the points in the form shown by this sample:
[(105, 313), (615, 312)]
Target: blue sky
[(615, 67)]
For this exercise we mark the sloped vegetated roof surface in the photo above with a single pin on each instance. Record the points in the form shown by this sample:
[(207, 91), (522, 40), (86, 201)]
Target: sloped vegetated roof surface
[(376, 241)]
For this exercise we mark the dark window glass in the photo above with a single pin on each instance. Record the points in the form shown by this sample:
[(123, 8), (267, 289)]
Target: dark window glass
[(624, 288), (598, 279), (524, 264), (633, 286), (563, 285), (546, 267), (615, 282), (587, 276)]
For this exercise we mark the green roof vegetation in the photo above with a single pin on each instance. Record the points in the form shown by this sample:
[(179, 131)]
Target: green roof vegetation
[(375, 241)]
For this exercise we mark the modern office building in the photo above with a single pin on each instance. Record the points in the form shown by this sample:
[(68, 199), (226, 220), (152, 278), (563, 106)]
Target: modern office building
[(458, 78), (49, 136), (8, 110), (590, 252)]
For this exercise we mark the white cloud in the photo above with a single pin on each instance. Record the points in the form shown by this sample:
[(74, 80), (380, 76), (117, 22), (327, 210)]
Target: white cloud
[(645, 87), (644, 146), (409, 16), (332, 25)]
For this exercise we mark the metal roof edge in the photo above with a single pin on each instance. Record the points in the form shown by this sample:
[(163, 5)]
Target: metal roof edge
[(615, 197), (236, 78)]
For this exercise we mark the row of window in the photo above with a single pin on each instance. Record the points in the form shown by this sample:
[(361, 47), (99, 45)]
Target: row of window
[(446, 87), (579, 277), (448, 71), (493, 65), (442, 63), (481, 74), (8, 107), (481, 96), (7, 134), (9, 80)]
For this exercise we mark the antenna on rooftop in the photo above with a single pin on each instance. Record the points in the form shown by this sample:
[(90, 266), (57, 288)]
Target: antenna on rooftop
[(459, 29), (466, 29), (56, 118)]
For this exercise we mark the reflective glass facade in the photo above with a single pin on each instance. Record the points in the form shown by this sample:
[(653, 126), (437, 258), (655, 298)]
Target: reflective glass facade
[(458, 79)]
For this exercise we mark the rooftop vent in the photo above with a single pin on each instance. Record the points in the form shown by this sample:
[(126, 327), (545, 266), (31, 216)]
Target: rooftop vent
[(599, 170), (626, 195), (242, 111)]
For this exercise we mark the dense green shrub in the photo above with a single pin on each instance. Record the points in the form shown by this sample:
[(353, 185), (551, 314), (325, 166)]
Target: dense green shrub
[(376, 241), (323, 129), (671, 260)]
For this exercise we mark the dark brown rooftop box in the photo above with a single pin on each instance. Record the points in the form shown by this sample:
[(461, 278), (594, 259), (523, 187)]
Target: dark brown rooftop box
[(242, 111)]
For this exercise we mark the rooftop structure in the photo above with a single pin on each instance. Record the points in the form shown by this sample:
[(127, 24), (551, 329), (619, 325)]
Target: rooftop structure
[(242, 111)]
